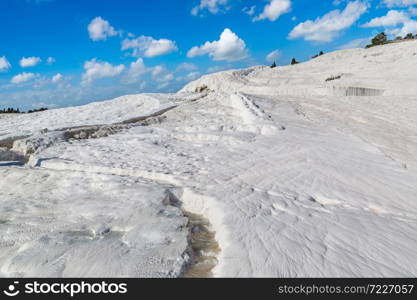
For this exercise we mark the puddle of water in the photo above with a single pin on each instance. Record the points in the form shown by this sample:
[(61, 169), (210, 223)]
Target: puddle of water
[(204, 247)]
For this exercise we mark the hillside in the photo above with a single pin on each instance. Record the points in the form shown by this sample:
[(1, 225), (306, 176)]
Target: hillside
[(297, 176)]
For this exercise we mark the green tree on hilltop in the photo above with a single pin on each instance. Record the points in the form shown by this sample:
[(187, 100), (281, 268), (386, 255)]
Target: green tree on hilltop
[(379, 39)]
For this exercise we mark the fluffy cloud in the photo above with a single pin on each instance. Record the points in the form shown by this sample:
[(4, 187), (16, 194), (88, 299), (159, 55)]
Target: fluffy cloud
[(192, 76), (409, 26), (161, 74), (95, 70), (56, 78), (23, 77), (229, 47), (4, 64), (273, 56), (29, 61), (186, 67), (392, 18), (401, 3), (99, 29), (215, 69), (136, 70), (213, 6), (274, 10), (326, 28), (50, 61), (189, 77), (249, 10), (148, 46)]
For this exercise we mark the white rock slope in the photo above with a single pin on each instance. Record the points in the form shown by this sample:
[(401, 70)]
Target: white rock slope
[(298, 176)]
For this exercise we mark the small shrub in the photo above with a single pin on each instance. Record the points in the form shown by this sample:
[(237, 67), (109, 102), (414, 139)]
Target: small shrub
[(37, 110), (379, 39), (317, 55), (294, 61), (201, 89), (333, 78), (274, 65)]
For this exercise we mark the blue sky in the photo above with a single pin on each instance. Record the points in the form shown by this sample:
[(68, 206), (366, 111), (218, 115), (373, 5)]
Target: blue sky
[(58, 53)]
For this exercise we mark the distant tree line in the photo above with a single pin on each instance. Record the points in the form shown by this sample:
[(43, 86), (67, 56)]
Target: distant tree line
[(295, 62), (333, 78), (317, 55), (37, 110), (382, 39), (379, 39), (11, 110)]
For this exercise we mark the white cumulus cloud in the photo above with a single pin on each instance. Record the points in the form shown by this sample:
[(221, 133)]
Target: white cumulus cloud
[(99, 29), (189, 77), (23, 77), (213, 6), (273, 56), (409, 26), (392, 18), (148, 46), (187, 67), (327, 27), (161, 74), (192, 76), (274, 9), (401, 3), (229, 47), (215, 69), (26, 62), (250, 11), (4, 64), (136, 70), (57, 77), (95, 70), (50, 60)]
